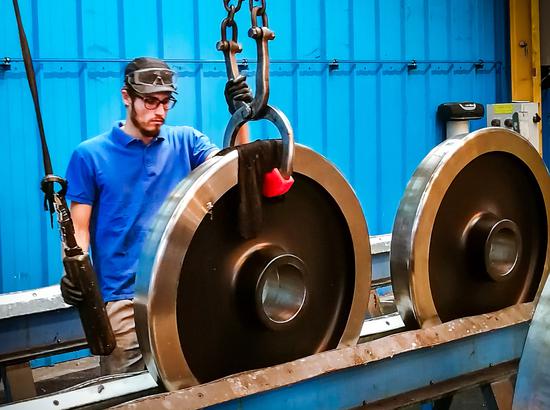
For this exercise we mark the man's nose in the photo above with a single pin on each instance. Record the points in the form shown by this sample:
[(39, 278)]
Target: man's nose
[(161, 110)]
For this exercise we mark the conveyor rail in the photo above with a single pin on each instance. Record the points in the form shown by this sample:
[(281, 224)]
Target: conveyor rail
[(424, 364)]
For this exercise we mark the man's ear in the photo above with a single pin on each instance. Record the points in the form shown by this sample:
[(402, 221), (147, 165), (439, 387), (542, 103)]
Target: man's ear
[(126, 99)]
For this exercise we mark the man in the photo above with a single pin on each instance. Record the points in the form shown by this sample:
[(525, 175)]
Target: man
[(118, 180)]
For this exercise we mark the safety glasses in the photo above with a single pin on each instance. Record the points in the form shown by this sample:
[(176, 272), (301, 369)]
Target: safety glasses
[(153, 76), (152, 103)]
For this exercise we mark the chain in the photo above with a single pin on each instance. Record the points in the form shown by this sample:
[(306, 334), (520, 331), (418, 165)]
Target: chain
[(259, 107), (229, 21), (256, 11), (261, 34), (228, 6)]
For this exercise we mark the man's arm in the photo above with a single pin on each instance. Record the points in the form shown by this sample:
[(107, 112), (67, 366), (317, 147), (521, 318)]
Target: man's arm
[(81, 214), (243, 137)]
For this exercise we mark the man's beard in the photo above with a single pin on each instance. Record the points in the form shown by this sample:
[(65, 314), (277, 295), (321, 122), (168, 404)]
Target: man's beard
[(144, 132)]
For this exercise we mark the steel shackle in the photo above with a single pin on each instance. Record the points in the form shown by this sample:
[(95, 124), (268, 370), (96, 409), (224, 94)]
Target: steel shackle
[(277, 118)]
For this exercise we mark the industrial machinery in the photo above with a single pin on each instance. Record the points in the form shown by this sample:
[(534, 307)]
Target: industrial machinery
[(465, 271), (457, 117), (469, 252), (271, 316), (521, 117)]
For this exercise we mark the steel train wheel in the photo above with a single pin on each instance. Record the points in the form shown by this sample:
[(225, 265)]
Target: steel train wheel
[(210, 304), (471, 233)]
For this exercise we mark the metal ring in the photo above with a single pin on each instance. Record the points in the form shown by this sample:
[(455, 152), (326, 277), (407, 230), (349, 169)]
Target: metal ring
[(53, 179), (228, 7), (234, 31), (277, 118)]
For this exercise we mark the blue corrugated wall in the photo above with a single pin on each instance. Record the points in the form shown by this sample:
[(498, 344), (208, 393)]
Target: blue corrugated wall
[(373, 116)]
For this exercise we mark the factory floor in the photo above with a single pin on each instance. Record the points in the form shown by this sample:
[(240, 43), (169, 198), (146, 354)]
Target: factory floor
[(64, 375)]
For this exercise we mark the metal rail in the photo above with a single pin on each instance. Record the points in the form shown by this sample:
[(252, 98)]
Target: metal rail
[(37, 323), (430, 362), (254, 61)]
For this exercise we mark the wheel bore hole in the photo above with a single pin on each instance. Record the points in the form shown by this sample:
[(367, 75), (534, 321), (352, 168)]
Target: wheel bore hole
[(281, 290), (502, 250), (494, 246)]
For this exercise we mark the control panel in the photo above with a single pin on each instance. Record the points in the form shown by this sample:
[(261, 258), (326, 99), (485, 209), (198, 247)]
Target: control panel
[(521, 117)]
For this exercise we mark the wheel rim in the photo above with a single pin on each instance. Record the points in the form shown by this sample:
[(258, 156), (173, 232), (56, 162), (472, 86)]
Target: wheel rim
[(180, 337), (471, 232)]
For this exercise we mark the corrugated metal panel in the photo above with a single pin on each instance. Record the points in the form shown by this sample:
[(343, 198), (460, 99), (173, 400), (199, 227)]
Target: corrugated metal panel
[(373, 117)]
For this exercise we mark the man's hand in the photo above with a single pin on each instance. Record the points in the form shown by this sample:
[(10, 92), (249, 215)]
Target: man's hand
[(72, 295), (237, 90)]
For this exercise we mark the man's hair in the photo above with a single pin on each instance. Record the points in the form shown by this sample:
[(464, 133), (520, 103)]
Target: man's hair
[(131, 92)]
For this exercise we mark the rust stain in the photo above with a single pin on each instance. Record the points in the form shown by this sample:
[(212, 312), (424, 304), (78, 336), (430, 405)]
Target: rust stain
[(256, 381)]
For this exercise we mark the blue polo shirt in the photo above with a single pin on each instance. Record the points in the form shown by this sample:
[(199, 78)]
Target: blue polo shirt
[(126, 182)]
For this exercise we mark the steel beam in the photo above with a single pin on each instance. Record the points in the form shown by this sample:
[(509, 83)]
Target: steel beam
[(401, 368), (96, 394), (36, 323), (525, 53)]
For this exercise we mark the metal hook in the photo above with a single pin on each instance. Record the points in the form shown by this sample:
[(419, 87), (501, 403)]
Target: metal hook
[(277, 118)]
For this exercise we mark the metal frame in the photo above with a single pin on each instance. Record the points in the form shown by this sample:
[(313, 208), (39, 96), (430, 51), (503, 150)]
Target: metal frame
[(36, 323), (525, 53), (424, 363), (164, 252), (100, 394)]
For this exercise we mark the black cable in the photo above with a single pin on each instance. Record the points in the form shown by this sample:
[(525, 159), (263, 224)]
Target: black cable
[(32, 85)]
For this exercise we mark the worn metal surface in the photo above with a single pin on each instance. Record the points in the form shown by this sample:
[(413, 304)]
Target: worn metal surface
[(363, 374), (380, 250), (533, 382), (18, 382), (96, 394), (31, 302), (457, 210), (41, 334), (37, 323), (157, 303), (382, 324), (380, 243)]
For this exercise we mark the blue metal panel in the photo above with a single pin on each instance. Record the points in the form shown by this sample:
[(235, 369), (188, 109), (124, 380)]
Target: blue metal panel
[(372, 115), (26, 337)]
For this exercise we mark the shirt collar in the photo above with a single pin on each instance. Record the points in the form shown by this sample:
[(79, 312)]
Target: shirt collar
[(120, 137)]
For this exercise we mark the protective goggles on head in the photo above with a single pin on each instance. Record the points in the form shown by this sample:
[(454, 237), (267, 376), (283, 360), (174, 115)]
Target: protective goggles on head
[(152, 80)]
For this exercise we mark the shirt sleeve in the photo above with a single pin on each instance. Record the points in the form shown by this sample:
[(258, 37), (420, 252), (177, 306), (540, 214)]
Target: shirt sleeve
[(200, 147), (81, 183)]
